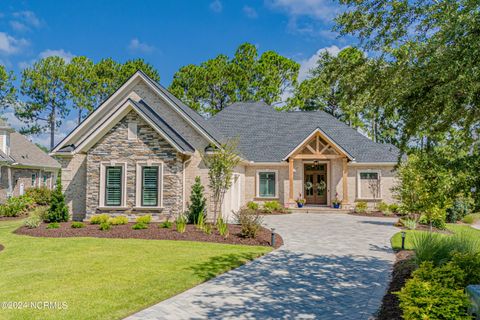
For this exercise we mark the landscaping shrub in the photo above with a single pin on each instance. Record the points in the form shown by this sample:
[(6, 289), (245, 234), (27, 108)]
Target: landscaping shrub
[(250, 222), (222, 227), (361, 207), (41, 196), (118, 220), (58, 211), (253, 205), (200, 222), (435, 218), (470, 264), (439, 248), (394, 207), (33, 221), (435, 293), (198, 202), (104, 226), (461, 207), (144, 219), (383, 207), (77, 225), (139, 226), (166, 224), (272, 206), (53, 225), (15, 206), (410, 224), (207, 228), (471, 218), (99, 218), (181, 223)]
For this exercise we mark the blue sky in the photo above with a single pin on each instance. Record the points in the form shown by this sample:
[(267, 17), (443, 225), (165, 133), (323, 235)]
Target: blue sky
[(168, 34)]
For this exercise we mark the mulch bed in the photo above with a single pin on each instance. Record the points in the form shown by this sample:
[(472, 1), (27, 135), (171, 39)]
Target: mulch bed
[(154, 232), (378, 214), (1, 247), (402, 269)]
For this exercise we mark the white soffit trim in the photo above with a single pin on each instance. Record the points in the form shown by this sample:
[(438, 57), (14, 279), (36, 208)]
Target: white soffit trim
[(120, 113), (326, 137)]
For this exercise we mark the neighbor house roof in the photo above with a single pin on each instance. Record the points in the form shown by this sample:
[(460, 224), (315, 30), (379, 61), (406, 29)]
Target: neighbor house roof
[(25, 153), (267, 135)]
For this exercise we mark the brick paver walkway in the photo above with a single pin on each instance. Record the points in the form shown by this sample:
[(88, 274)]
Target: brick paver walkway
[(332, 266)]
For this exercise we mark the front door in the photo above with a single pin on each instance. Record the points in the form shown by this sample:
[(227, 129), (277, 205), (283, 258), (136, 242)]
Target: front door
[(315, 183)]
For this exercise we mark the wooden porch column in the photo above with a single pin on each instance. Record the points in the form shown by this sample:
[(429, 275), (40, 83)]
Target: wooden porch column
[(290, 181), (344, 181)]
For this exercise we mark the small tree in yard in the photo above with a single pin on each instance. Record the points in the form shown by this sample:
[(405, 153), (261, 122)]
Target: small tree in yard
[(221, 163), (58, 211), (197, 202)]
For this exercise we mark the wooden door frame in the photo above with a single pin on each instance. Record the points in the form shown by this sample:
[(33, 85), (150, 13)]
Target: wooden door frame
[(328, 173)]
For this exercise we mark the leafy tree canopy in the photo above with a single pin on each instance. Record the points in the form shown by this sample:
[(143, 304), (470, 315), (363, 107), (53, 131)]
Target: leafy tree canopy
[(218, 82)]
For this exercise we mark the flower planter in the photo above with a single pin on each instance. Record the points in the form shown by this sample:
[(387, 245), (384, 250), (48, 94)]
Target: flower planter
[(336, 205), (300, 205)]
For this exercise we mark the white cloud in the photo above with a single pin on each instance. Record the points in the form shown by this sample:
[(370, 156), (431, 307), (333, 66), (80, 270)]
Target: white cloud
[(11, 45), (28, 18), (250, 12), (324, 10), (216, 6), (67, 56), (309, 17), (136, 45), (18, 26), (308, 64)]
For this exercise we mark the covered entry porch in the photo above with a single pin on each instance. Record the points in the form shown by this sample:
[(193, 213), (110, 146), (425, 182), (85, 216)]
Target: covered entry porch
[(318, 172)]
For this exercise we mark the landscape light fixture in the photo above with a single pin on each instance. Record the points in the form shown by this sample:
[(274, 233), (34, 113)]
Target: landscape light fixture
[(404, 234)]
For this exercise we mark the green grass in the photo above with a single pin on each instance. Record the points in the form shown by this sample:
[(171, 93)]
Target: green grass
[(105, 278), (396, 240)]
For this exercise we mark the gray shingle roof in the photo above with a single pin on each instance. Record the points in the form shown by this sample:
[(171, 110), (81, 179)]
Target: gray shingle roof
[(215, 134), (163, 126), (26, 153), (267, 135)]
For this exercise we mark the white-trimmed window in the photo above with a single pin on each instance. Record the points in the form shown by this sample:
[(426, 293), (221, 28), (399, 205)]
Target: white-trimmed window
[(149, 185), (132, 131), (369, 184), (34, 179), (267, 184), (113, 184), (45, 178)]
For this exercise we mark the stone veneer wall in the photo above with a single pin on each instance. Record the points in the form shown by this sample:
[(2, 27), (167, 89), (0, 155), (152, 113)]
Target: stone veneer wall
[(115, 146)]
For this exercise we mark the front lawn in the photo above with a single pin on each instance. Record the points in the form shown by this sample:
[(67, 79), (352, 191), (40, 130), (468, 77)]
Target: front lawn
[(396, 240), (104, 278)]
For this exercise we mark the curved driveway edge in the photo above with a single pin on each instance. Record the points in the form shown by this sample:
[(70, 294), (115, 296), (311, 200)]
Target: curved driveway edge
[(331, 266)]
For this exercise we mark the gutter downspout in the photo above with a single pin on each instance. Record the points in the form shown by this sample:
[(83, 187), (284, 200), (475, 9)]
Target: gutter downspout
[(183, 185)]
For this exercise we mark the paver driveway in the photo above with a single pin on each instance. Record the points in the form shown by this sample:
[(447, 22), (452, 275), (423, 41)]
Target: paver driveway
[(332, 266)]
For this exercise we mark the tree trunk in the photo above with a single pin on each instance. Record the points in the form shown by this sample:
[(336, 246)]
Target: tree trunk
[(79, 115), (52, 128)]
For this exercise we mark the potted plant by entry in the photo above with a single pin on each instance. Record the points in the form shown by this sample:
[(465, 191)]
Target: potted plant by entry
[(336, 202), (300, 202)]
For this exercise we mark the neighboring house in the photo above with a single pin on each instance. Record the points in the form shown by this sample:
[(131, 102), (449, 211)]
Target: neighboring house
[(23, 165), (140, 152)]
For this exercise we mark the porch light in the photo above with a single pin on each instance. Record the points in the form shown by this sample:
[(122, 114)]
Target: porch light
[(404, 235), (273, 238)]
